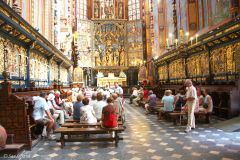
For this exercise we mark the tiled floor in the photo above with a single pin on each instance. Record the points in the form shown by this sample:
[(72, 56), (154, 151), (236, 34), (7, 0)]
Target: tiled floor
[(147, 138)]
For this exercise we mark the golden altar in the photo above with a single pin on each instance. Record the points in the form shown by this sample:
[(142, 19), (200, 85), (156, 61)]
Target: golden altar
[(110, 80)]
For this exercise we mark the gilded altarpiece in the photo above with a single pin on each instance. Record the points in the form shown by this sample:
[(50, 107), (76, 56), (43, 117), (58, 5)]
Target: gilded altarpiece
[(163, 73), (135, 43), (15, 61), (223, 62), (177, 69), (198, 66), (109, 42)]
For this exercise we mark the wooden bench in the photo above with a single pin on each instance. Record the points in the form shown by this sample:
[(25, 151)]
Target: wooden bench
[(207, 116), (84, 125), (88, 131), (11, 148), (177, 116)]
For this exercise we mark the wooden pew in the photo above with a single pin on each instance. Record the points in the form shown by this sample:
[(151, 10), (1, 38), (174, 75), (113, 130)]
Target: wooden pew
[(11, 148), (177, 116), (88, 131), (85, 125)]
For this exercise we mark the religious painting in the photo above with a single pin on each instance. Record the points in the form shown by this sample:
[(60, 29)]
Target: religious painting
[(223, 61), (220, 10), (135, 42), (163, 72)]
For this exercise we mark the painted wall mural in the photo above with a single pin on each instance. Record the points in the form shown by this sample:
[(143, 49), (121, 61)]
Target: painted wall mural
[(135, 42), (220, 10), (85, 43)]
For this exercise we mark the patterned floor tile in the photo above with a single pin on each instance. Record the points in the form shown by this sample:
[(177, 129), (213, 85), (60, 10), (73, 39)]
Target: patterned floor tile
[(148, 138)]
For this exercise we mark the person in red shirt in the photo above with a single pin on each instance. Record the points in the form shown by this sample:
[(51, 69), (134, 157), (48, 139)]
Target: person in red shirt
[(145, 93), (110, 114)]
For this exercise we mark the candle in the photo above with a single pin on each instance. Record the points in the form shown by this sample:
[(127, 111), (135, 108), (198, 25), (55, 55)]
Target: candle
[(176, 42), (187, 35), (171, 40), (196, 38), (191, 39), (167, 43)]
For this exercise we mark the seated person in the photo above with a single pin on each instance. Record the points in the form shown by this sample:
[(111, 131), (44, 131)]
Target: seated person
[(145, 93), (151, 102), (3, 137), (139, 97), (168, 103), (41, 113), (93, 99), (98, 106), (87, 114), (180, 101), (134, 94), (67, 106), (207, 105), (56, 111), (110, 114), (76, 107)]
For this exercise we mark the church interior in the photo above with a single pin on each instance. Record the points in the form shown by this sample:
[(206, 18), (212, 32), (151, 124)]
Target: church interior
[(164, 64)]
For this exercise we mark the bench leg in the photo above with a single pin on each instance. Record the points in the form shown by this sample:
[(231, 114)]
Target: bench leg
[(207, 120), (116, 139), (62, 140)]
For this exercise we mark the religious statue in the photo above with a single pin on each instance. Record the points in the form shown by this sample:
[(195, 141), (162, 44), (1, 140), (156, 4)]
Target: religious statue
[(96, 9), (120, 10)]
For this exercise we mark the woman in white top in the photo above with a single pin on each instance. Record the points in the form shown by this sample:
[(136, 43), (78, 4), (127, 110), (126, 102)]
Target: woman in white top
[(87, 114), (207, 102)]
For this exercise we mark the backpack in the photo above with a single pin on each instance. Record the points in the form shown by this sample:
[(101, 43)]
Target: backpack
[(179, 104)]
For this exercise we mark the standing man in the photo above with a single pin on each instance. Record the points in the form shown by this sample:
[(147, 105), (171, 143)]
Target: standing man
[(191, 100)]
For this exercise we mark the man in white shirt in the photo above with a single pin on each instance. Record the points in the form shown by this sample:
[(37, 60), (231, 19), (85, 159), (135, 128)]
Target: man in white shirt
[(41, 113), (191, 99)]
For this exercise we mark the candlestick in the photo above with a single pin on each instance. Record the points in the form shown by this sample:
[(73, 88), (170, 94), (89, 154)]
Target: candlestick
[(191, 39), (196, 38), (167, 43), (176, 42)]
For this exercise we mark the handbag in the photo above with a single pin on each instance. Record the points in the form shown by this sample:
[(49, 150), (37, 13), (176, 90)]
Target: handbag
[(205, 105)]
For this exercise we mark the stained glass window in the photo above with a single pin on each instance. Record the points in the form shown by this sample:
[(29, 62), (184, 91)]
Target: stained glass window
[(134, 9)]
